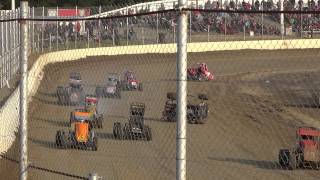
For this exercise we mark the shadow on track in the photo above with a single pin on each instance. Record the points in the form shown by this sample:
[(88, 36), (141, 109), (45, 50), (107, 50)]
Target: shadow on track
[(268, 165), (53, 122), (126, 117), (47, 94), (46, 144), (105, 135)]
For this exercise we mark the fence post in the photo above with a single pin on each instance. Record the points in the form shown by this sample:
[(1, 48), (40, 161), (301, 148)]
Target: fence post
[(13, 5), (208, 33), (57, 33), (14, 60), (174, 33), (93, 176), (50, 41), (127, 13), (113, 38), (2, 48), (88, 38), (225, 27), (7, 50), (99, 30), (142, 32), (11, 56), (281, 19), (23, 92), (157, 28), (43, 29), (262, 4), (76, 31), (32, 33), (181, 131), (244, 32), (190, 26), (38, 43)]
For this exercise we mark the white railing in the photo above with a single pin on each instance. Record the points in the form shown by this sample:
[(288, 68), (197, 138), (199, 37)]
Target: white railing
[(9, 46), (151, 6)]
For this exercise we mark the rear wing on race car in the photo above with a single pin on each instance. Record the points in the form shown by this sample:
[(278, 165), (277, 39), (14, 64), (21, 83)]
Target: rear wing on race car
[(137, 108), (80, 115), (75, 78), (91, 100)]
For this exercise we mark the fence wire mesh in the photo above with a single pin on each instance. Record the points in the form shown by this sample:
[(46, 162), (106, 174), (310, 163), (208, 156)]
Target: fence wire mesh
[(102, 92)]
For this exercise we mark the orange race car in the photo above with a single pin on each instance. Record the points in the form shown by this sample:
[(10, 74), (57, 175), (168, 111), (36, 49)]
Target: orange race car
[(81, 138)]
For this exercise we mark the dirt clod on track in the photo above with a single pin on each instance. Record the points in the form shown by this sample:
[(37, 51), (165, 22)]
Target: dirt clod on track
[(255, 103)]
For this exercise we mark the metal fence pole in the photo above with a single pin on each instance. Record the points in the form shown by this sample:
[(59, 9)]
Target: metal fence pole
[(32, 34), (208, 33), (99, 30), (23, 92), (11, 56), (38, 42), (88, 36), (190, 26), (301, 22), (262, 18), (6, 49), (43, 29), (93, 176), (13, 5), (281, 19), (2, 48), (174, 33), (157, 28), (50, 41), (76, 28), (113, 38), (57, 33), (17, 41), (244, 32), (127, 12), (142, 32), (19, 38), (225, 27), (181, 93), (14, 28)]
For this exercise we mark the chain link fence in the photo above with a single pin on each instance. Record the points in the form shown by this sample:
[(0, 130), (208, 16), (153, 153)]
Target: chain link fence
[(102, 89)]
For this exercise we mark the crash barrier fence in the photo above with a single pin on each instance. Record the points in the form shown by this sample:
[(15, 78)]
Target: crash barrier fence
[(158, 25), (10, 111)]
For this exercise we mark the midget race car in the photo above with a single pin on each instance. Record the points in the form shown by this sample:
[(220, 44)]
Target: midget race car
[(72, 94), (199, 72), (135, 128), (112, 88), (130, 82), (197, 108), (88, 112)]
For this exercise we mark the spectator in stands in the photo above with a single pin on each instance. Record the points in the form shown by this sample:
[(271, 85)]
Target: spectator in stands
[(312, 5), (232, 5), (292, 3), (257, 5), (300, 4)]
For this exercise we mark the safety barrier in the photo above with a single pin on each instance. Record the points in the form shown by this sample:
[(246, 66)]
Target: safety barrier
[(9, 112)]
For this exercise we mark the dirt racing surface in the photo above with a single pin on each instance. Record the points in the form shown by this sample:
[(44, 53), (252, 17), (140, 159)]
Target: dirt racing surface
[(256, 101)]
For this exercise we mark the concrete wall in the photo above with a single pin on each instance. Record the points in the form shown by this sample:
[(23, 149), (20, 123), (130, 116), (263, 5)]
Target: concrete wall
[(9, 112)]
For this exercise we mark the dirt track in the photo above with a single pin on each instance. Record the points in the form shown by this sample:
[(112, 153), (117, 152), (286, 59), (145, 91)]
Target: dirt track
[(257, 100)]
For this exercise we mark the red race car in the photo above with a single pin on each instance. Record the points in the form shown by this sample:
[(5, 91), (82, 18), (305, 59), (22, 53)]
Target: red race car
[(130, 82), (199, 72)]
